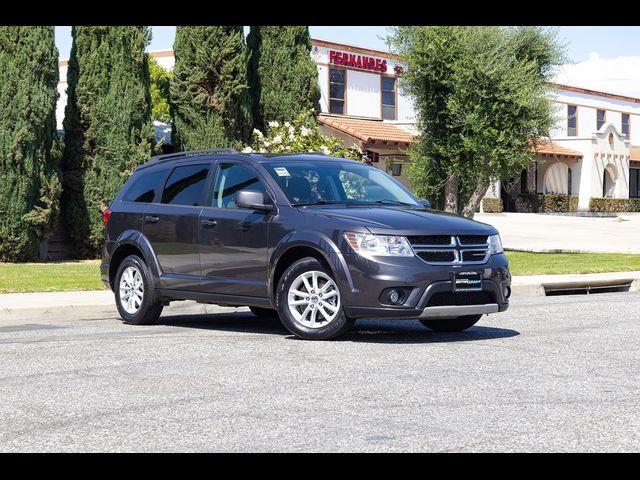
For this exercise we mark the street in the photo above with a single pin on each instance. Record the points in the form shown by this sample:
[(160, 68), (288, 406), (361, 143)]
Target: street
[(550, 374)]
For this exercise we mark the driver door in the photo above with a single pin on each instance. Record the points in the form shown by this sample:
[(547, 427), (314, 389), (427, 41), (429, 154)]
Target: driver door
[(233, 240)]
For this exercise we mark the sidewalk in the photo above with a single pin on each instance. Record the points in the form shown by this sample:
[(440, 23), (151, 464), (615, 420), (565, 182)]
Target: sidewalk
[(100, 303), (562, 233)]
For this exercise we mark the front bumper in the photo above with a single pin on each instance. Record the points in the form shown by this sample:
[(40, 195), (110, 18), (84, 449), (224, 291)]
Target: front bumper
[(423, 281)]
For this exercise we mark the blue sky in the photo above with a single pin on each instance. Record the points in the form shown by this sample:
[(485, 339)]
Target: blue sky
[(596, 50)]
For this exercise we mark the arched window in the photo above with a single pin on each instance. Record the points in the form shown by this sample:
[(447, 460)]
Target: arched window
[(556, 179), (609, 178)]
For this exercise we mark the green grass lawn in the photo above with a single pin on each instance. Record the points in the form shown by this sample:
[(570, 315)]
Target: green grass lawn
[(530, 263), (85, 274), (50, 276)]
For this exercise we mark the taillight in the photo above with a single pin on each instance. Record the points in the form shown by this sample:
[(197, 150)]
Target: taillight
[(106, 215)]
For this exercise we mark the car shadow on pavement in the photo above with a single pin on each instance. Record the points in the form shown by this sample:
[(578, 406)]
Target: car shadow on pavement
[(372, 331), (412, 331)]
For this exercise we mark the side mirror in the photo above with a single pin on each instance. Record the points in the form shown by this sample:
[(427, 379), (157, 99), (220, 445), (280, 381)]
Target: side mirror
[(425, 203), (252, 199)]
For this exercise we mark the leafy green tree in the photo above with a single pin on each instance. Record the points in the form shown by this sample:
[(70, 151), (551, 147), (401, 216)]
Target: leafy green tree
[(160, 81), (481, 101), (29, 177), (108, 129), (282, 75), (209, 95)]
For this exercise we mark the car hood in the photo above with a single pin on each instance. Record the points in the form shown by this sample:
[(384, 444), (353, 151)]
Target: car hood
[(402, 221)]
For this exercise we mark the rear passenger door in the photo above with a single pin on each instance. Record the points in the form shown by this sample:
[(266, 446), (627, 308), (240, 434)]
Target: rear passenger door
[(171, 225)]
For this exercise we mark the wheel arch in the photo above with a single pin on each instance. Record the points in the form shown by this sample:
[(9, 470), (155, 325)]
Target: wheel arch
[(133, 243), (309, 244)]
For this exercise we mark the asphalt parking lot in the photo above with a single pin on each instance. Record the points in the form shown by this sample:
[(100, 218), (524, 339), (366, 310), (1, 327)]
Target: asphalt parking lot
[(551, 374)]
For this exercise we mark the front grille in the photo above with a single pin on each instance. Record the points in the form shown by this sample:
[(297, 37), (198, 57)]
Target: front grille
[(436, 256), (473, 239), (442, 299), (429, 240), (473, 255), (431, 248)]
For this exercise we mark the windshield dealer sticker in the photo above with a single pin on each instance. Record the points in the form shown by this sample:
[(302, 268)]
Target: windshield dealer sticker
[(282, 172)]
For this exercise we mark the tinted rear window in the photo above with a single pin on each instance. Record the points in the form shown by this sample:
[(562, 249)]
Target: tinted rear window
[(145, 186), (185, 185)]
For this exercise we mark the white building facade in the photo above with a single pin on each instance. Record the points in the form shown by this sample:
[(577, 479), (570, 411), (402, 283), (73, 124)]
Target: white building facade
[(590, 152)]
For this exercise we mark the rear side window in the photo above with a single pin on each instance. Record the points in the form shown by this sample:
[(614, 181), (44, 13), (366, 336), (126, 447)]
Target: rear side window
[(185, 185), (144, 186)]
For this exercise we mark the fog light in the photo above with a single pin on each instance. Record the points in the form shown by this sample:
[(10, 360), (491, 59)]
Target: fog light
[(394, 296), (506, 292)]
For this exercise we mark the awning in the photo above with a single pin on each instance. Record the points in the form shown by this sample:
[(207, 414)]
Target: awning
[(634, 154), (369, 132)]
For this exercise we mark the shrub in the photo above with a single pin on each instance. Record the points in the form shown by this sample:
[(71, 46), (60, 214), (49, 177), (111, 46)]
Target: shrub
[(559, 203), (529, 202), (614, 205), (492, 205)]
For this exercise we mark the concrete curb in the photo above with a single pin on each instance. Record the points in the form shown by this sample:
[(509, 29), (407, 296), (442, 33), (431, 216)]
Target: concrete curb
[(98, 304)]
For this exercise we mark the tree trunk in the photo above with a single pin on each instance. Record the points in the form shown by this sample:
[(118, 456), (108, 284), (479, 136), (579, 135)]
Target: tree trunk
[(474, 201), (451, 194)]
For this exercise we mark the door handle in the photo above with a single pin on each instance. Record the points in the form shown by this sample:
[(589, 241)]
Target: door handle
[(208, 222), (151, 218)]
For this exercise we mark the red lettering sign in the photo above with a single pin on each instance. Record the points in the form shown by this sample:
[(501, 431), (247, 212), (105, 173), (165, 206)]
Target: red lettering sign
[(358, 61)]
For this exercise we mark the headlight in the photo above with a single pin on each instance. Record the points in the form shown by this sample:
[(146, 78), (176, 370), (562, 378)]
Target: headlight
[(495, 245), (383, 245)]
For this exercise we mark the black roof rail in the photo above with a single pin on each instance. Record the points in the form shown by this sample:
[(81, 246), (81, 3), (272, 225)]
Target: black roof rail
[(171, 156)]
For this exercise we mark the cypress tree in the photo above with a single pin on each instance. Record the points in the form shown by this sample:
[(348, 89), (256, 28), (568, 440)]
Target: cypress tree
[(108, 128), (29, 176), (209, 95), (282, 74)]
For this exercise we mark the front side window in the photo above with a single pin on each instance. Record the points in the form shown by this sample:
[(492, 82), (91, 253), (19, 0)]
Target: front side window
[(625, 124), (317, 182), (572, 120), (337, 90), (602, 117), (388, 88), (145, 186), (232, 178), (185, 185)]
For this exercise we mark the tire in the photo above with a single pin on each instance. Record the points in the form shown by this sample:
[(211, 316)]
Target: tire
[(263, 312), (311, 325), (451, 325), (138, 282)]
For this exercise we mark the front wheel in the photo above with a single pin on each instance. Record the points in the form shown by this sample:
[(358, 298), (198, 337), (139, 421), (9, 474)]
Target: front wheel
[(452, 324), (309, 302)]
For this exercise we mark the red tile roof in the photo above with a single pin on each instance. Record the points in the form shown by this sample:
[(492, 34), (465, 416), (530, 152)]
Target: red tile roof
[(552, 149), (367, 131)]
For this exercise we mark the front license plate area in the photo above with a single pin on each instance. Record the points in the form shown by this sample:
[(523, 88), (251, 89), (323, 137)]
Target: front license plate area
[(470, 281)]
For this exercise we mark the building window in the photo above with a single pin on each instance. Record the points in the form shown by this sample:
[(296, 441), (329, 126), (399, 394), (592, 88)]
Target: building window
[(572, 120), (388, 88), (625, 124), (634, 183), (337, 90), (601, 118), (396, 169)]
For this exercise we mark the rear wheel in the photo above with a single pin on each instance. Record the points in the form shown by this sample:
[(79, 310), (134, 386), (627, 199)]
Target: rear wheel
[(309, 302), (136, 298), (451, 324), (263, 312)]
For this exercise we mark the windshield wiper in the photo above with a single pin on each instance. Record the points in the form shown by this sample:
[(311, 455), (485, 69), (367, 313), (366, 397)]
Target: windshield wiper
[(388, 201)]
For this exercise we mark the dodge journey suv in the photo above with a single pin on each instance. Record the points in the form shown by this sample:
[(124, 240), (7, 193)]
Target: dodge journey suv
[(319, 241)]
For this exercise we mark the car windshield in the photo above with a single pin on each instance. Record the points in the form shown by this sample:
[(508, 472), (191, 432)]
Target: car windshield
[(322, 182)]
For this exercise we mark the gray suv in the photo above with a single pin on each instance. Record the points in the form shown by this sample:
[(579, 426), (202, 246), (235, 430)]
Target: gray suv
[(319, 241)]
